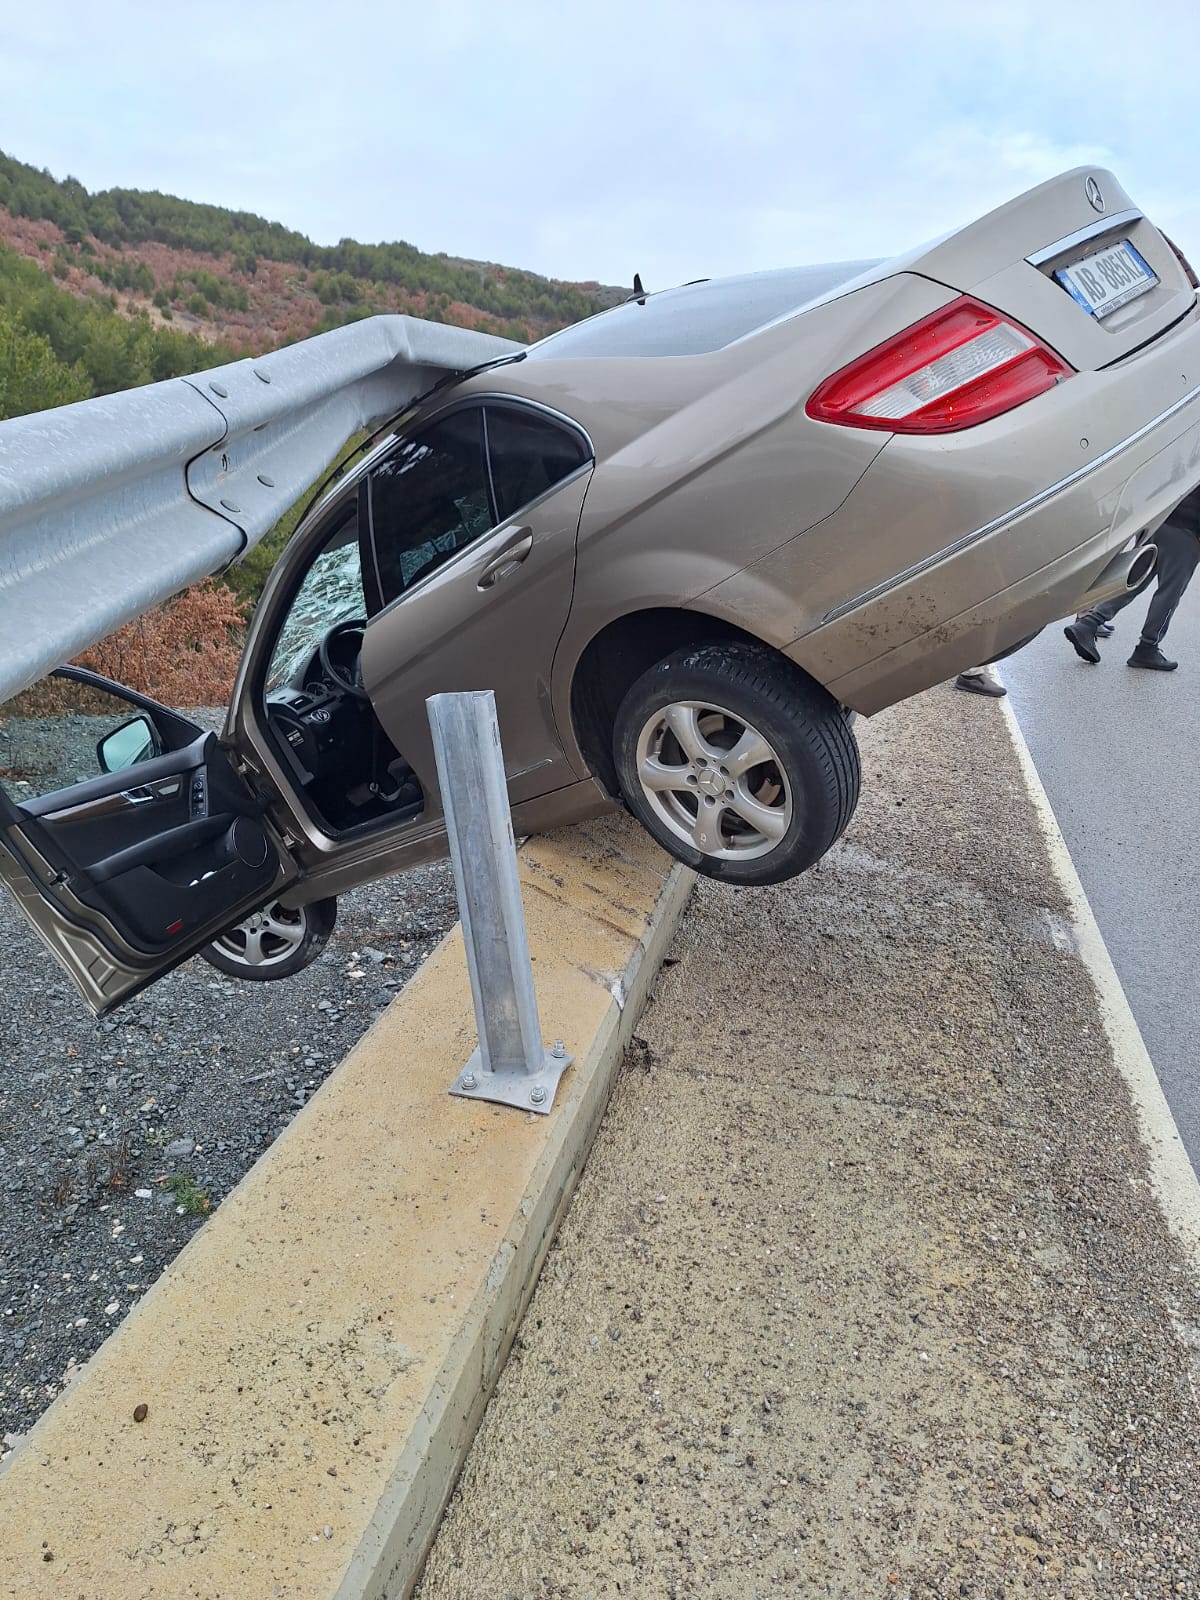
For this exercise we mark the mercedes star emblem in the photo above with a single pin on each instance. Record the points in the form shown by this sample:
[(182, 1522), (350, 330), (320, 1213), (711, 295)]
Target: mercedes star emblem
[(1095, 198)]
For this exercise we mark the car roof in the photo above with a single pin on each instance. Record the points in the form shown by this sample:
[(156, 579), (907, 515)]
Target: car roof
[(696, 318)]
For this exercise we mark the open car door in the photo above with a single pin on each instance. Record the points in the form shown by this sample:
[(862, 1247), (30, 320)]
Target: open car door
[(126, 836)]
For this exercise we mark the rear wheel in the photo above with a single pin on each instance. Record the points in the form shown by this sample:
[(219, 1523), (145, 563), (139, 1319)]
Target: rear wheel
[(276, 942), (736, 762)]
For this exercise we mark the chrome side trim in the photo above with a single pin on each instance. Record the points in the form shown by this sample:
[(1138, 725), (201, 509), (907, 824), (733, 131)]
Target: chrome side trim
[(1082, 235), (1010, 516), (495, 397), (108, 805)]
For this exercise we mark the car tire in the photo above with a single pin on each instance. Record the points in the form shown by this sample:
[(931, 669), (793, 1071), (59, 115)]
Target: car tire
[(790, 779), (276, 942)]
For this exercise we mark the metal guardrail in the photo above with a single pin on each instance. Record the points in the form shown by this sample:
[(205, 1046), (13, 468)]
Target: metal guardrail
[(110, 506)]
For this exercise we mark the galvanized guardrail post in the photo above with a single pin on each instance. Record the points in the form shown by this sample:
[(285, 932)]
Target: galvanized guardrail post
[(511, 1065)]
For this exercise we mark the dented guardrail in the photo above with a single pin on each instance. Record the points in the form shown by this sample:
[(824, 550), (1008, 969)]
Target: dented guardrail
[(112, 505)]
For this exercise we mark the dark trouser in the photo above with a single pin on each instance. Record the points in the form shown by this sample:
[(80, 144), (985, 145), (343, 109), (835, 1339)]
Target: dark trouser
[(1178, 553)]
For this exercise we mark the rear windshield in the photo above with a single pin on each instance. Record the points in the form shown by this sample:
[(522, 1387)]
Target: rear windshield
[(697, 318)]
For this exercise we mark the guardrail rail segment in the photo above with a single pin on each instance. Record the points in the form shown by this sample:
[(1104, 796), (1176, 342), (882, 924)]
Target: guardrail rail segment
[(112, 505)]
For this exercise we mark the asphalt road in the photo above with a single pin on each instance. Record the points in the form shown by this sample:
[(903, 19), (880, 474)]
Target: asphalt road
[(863, 1281), (1117, 752)]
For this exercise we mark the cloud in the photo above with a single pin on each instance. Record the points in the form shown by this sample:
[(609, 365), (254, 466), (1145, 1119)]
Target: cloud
[(670, 138)]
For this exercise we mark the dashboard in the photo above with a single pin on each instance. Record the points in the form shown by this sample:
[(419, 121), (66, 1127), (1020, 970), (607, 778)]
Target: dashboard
[(317, 716)]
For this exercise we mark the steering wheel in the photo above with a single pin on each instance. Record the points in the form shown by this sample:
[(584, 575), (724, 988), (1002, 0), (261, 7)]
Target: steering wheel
[(341, 676)]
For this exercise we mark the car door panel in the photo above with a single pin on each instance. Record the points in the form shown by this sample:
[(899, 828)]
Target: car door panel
[(160, 856), (467, 568), (490, 618), (127, 874)]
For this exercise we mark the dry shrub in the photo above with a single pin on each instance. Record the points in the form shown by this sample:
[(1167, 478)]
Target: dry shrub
[(56, 697), (185, 653)]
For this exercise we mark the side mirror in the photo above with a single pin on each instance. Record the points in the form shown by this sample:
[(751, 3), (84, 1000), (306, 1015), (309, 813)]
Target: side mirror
[(134, 741)]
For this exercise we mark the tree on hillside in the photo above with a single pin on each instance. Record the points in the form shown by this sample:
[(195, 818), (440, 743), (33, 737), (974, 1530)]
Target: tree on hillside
[(112, 352), (127, 217), (31, 377)]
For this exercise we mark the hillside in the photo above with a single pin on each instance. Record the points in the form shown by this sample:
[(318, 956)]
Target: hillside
[(235, 278), (100, 292)]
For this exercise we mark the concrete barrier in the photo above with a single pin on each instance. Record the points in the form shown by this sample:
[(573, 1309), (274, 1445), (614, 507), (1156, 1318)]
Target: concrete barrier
[(285, 1413)]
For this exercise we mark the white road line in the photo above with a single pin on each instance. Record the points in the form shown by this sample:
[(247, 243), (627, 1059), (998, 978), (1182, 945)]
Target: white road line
[(1172, 1176)]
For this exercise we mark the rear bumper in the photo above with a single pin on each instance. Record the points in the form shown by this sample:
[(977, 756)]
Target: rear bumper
[(996, 585)]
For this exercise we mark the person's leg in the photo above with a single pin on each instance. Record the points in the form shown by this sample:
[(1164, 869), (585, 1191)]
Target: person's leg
[(981, 680), (1094, 624), (1178, 555), (1096, 621), (1108, 609)]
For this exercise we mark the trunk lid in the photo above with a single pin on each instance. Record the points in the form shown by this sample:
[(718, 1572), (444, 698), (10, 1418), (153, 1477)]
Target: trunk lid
[(1009, 259)]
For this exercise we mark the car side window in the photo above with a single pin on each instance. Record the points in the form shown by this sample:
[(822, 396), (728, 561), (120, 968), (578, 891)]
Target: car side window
[(331, 592), (429, 500), (529, 454), (59, 732)]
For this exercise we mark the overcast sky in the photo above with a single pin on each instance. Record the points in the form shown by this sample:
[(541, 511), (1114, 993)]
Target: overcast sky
[(592, 141)]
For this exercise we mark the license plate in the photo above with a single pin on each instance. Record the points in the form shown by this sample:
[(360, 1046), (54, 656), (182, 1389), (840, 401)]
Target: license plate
[(1108, 280)]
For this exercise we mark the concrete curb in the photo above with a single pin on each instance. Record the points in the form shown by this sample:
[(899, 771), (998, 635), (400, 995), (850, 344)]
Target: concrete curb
[(1172, 1175), (286, 1412), (392, 1551)]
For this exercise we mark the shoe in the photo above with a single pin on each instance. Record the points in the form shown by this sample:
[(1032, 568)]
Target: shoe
[(976, 683), (1105, 630), (1149, 655), (1082, 634)]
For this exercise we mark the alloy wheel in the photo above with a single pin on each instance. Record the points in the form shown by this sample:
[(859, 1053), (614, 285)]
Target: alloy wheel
[(267, 939), (714, 780)]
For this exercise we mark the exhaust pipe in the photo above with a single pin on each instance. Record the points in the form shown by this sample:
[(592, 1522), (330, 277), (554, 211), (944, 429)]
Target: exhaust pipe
[(1128, 570)]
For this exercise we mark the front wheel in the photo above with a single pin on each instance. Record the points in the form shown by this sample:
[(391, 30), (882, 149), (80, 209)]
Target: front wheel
[(276, 942), (736, 762)]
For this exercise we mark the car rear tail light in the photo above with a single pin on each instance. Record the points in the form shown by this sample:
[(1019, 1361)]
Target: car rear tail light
[(951, 370), (1183, 261)]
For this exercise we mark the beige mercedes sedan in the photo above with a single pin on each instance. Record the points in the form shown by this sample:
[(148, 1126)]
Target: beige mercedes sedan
[(682, 542)]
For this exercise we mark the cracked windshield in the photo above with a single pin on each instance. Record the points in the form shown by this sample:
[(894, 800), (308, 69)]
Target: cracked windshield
[(332, 592)]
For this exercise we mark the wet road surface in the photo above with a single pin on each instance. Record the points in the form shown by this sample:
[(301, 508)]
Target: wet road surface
[(1117, 751)]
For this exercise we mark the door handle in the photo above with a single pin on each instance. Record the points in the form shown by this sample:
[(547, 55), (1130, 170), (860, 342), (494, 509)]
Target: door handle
[(163, 790), (509, 559)]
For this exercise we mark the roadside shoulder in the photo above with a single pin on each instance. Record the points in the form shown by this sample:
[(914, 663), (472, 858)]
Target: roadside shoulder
[(1173, 1177)]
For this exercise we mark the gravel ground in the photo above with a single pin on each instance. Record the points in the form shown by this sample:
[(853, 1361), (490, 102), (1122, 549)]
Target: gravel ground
[(41, 754), (117, 1137), (863, 1291)]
